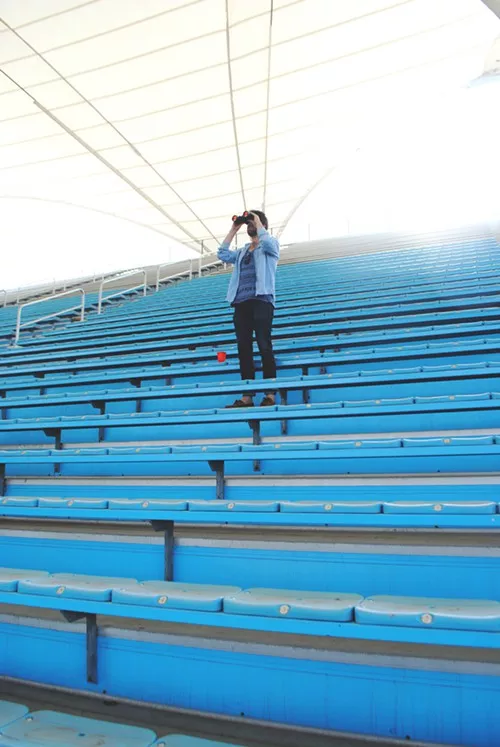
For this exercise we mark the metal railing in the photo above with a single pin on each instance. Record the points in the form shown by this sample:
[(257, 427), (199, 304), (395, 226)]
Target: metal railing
[(22, 306), (184, 273), (168, 278), (143, 285)]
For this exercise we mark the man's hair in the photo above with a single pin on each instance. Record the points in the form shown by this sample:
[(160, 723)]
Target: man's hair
[(263, 218)]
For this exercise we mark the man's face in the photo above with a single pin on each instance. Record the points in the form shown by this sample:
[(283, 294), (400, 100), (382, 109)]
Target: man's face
[(251, 230)]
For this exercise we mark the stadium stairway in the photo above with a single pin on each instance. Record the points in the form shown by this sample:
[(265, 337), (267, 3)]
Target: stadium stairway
[(327, 565)]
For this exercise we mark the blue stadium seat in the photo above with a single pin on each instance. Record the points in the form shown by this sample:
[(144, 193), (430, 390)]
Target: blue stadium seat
[(10, 578), (181, 740), (174, 595), (299, 605), (464, 614), (235, 506), (446, 507), (10, 711), (49, 728), (72, 586), (320, 507)]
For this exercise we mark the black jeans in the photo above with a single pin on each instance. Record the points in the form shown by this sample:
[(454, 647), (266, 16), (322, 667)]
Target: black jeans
[(249, 317)]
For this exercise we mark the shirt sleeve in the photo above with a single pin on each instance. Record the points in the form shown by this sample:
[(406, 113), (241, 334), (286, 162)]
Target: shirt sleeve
[(225, 254), (269, 244)]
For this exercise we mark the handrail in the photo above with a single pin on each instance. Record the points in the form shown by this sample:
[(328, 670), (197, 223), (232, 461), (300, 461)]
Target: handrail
[(121, 292), (159, 280), (188, 271), (48, 316)]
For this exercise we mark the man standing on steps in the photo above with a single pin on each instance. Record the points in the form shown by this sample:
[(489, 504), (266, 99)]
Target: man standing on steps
[(252, 294)]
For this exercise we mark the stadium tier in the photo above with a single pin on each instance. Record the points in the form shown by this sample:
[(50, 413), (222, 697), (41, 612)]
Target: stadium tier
[(329, 562)]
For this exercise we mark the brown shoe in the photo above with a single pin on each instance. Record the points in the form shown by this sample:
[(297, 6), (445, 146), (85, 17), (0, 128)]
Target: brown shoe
[(239, 403), (268, 401)]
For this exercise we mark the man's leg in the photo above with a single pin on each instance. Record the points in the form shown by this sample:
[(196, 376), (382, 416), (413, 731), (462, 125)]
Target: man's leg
[(263, 324), (243, 325)]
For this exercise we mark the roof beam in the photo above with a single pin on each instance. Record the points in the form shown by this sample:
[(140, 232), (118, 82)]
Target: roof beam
[(494, 6)]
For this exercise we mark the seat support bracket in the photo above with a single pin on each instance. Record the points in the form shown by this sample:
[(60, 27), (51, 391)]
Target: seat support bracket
[(167, 527), (217, 466), (91, 639)]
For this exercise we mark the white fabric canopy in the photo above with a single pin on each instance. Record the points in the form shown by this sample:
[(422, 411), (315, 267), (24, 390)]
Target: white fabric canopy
[(175, 115)]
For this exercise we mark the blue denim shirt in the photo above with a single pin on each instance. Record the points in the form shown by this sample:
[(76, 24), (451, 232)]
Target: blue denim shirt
[(248, 278), (266, 255)]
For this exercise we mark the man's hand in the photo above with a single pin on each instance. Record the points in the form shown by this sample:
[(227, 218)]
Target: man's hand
[(232, 232), (257, 221)]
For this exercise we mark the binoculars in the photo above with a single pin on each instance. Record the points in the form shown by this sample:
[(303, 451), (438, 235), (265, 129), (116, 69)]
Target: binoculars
[(245, 218)]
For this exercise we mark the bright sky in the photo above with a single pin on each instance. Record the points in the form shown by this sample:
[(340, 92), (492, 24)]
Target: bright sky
[(416, 167)]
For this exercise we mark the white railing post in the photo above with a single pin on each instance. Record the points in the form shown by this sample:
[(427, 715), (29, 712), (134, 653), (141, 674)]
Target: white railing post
[(190, 269), (21, 306), (143, 285)]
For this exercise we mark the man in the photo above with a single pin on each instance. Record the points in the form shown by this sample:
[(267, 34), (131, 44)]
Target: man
[(252, 294)]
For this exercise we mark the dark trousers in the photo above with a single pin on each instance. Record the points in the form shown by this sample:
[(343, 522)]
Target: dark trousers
[(249, 317)]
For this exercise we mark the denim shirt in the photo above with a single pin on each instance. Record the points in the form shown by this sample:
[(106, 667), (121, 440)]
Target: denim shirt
[(266, 255), (246, 288)]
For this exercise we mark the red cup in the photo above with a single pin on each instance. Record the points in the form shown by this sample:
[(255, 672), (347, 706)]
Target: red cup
[(221, 357)]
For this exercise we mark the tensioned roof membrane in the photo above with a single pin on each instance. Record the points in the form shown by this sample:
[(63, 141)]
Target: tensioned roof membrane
[(175, 115)]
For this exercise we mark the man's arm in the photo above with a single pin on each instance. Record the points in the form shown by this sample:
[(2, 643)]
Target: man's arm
[(269, 244), (225, 254)]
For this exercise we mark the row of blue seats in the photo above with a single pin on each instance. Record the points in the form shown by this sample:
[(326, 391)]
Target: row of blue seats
[(308, 409), (475, 622), (24, 728), (63, 302), (356, 514), (454, 324), (192, 377), (255, 506), (223, 333), (372, 296), (471, 265), (356, 368), (168, 354), (91, 340), (317, 336), (473, 377), (433, 490), (460, 411), (382, 456), (369, 304), (231, 451)]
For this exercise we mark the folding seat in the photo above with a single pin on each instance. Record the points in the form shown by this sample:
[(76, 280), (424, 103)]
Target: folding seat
[(445, 507), (55, 502), (181, 740), (320, 507), (19, 502), (72, 586), (299, 605), (449, 441), (11, 577), (153, 504), (379, 443), (174, 595), (235, 506), (11, 712), (453, 614), (48, 728)]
